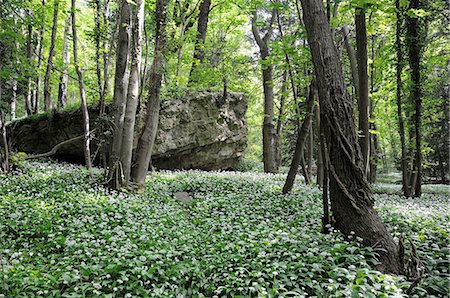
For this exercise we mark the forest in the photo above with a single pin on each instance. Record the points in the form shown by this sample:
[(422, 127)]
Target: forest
[(224, 148)]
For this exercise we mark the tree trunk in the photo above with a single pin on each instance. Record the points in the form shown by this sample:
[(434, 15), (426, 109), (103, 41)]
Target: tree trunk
[(28, 97), (269, 150), (320, 163), (98, 54), (352, 58), (147, 137), (133, 89), (120, 89), (373, 158), (84, 109), (63, 80), (40, 51), (415, 49), (399, 68), (300, 144), (363, 93), (47, 92), (4, 139), (350, 196), (199, 52)]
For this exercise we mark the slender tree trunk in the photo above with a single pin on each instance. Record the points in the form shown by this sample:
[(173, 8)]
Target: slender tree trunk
[(202, 26), (373, 158), (4, 138), (363, 94), (40, 51), (147, 137), (63, 80), (120, 89), (98, 54), (415, 49), (133, 89), (47, 92), (279, 127), (399, 68), (320, 163), (106, 51), (326, 220), (28, 97), (309, 156), (351, 199), (300, 144), (352, 58), (269, 151), (84, 109)]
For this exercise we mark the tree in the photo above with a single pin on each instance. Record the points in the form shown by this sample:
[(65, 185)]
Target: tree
[(120, 89), (301, 138), (63, 80), (133, 89), (269, 150), (202, 26), (363, 86), (47, 91), (147, 136), (84, 109), (350, 196), (414, 40)]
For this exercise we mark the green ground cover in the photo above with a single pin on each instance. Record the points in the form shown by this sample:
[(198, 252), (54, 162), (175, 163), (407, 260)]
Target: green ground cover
[(63, 237)]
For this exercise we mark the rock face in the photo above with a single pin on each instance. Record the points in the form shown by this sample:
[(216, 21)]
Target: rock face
[(200, 131)]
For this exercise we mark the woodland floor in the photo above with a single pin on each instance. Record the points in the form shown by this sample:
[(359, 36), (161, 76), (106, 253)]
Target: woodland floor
[(62, 237)]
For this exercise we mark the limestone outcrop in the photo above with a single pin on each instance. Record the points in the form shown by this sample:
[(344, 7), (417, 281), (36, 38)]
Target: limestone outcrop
[(202, 130)]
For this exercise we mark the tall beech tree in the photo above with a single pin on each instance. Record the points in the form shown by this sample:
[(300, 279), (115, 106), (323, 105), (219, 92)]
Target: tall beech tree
[(350, 196), (147, 136), (269, 150)]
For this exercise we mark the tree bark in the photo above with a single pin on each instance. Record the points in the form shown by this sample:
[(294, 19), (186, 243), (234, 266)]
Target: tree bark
[(148, 134), (300, 144), (415, 49), (202, 26), (269, 150), (401, 125), (63, 80), (120, 89), (350, 196), (84, 109), (47, 93), (133, 89), (320, 163), (363, 93)]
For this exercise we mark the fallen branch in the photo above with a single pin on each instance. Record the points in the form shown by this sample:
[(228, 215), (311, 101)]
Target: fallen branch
[(57, 147)]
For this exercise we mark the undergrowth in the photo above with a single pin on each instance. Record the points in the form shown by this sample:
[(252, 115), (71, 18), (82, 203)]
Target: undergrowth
[(63, 237)]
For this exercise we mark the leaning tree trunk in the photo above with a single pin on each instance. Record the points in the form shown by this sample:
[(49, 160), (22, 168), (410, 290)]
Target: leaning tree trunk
[(350, 196), (133, 90), (300, 144), (363, 93), (147, 137), (84, 109), (199, 52), (47, 93)]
